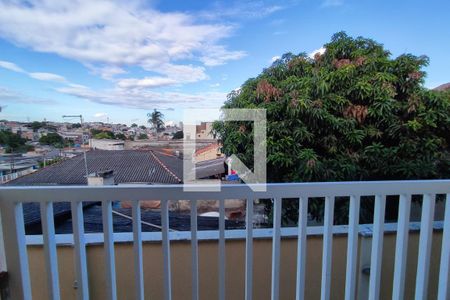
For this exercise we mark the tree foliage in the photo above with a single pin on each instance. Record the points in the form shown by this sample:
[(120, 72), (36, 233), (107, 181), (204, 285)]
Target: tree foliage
[(156, 119), (55, 140), (37, 125), (104, 135), (142, 136), (353, 113), (178, 135), (13, 142)]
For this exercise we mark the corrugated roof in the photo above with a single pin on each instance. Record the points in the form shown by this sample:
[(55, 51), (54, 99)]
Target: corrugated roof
[(129, 166)]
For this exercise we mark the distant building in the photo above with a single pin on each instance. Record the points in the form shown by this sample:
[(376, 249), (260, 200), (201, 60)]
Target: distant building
[(203, 131), (106, 144), (13, 166)]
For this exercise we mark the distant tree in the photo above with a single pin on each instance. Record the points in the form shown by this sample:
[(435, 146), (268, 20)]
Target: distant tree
[(142, 136), (178, 135), (120, 136), (134, 125), (12, 142), (155, 118), (76, 125), (95, 131), (353, 113), (142, 127), (104, 135), (36, 125), (53, 139), (50, 162)]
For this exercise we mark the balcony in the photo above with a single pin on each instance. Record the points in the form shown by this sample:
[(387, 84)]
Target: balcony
[(369, 261)]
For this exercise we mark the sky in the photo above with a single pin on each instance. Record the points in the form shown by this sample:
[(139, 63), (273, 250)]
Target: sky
[(118, 60)]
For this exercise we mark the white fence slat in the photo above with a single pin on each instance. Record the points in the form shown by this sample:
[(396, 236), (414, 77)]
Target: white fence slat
[(426, 232), (137, 251), (301, 247), (444, 272), (277, 207), (108, 245), (22, 251), (352, 248), (166, 249), (51, 258), (249, 250), (377, 247), (80, 250), (222, 249), (401, 247), (327, 248), (194, 249)]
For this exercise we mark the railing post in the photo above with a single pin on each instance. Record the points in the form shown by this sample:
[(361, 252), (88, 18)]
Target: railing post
[(352, 248), (377, 247), (3, 266), (444, 272), (4, 293), (327, 251)]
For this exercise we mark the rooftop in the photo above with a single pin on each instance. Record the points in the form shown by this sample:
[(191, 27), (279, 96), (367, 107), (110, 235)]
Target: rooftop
[(129, 166)]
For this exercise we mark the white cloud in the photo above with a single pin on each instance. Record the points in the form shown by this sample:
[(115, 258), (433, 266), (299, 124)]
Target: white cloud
[(146, 99), (8, 95), (11, 66), (275, 58), (215, 55), (100, 115), (242, 10), (107, 36), (47, 77), (148, 82), (321, 51), (332, 3), (107, 72), (35, 75)]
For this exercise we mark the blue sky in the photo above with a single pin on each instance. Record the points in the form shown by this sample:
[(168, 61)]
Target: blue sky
[(120, 60)]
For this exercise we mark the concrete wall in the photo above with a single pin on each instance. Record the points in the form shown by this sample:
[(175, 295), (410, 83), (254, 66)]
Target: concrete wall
[(105, 144), (235, 259)]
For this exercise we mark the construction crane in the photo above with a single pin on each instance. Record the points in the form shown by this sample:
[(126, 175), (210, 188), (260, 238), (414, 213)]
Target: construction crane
[(75, 116)]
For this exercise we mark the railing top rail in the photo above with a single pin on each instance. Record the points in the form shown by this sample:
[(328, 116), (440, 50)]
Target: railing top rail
[(228, 191)]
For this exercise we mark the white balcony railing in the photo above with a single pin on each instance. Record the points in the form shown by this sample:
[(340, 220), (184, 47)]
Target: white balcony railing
[(15, 241)]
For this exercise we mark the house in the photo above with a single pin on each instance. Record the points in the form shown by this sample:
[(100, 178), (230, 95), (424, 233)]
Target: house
[(211, 151)]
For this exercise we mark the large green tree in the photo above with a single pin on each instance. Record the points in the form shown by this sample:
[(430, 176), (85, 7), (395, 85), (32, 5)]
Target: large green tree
[(351, 113)]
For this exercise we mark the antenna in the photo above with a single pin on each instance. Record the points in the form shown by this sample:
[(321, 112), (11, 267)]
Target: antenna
[(85, 165)]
